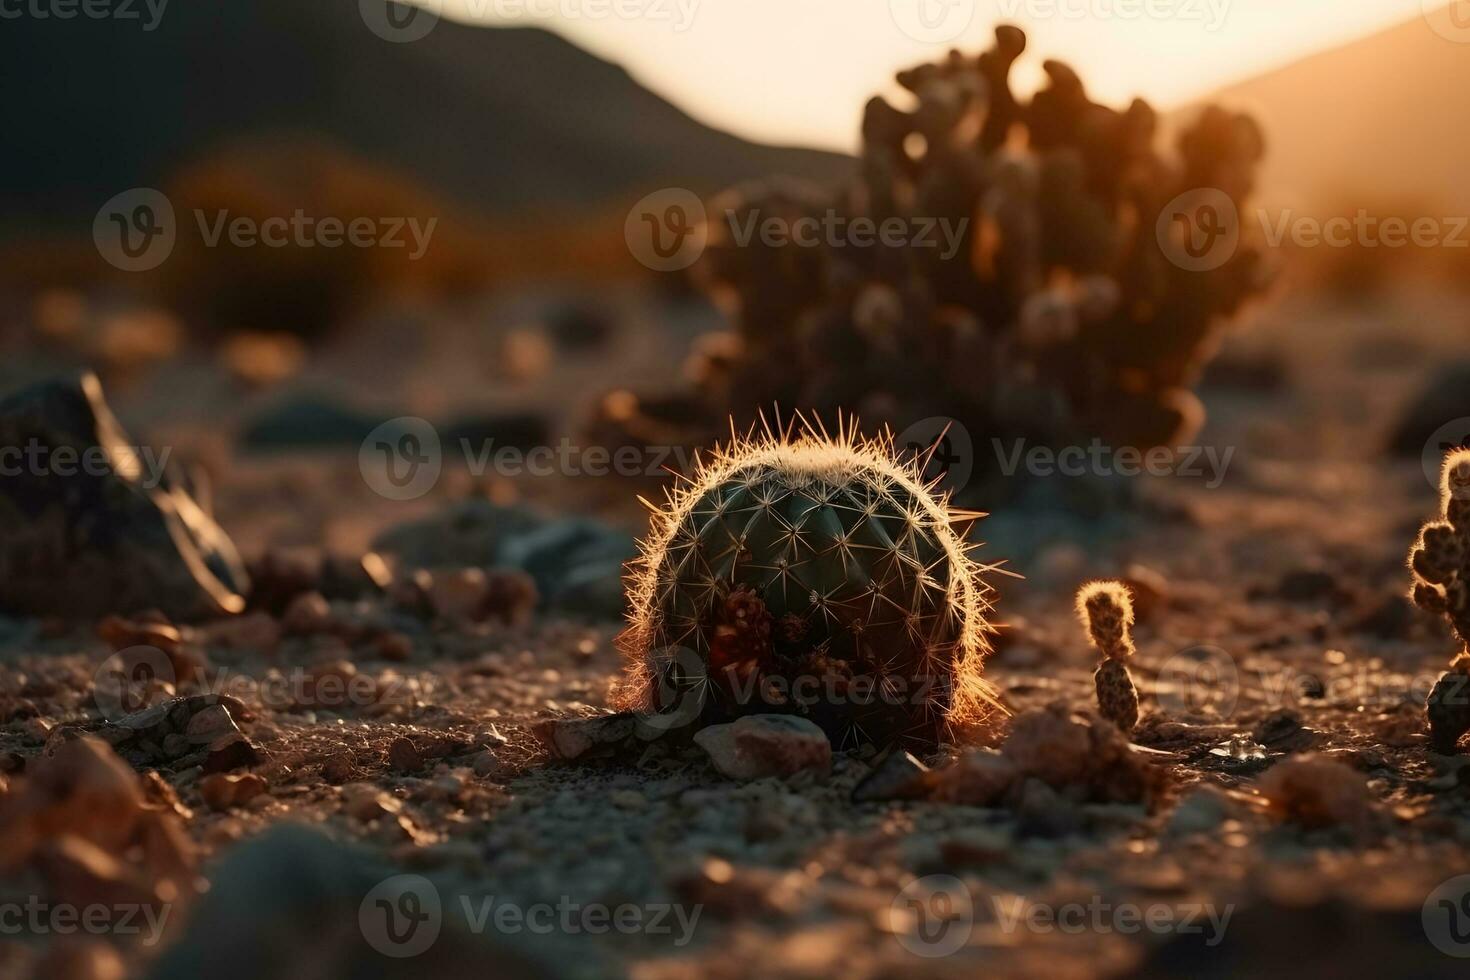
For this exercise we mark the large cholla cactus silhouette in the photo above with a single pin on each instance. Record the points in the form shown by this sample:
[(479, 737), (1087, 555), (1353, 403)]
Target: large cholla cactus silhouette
[(1059, 315), (1440, 561), (802, 573)]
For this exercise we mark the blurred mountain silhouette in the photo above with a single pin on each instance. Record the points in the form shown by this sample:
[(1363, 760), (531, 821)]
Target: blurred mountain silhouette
[(1379, 120), (503, 121)]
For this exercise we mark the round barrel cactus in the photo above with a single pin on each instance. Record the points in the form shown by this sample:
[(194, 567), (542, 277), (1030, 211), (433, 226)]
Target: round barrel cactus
[(811, 575)]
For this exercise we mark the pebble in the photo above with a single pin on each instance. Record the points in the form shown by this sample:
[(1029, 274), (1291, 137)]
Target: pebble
[(221, 791), (980, 777), (308, 613), (1316, 792), (756, 746), (404, 756), (572, 738), (901, 776)]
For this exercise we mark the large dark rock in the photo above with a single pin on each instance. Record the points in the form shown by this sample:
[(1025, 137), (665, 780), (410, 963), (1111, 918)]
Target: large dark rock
[(308, 422), (1444, 398), (90, 523), (295, 903)]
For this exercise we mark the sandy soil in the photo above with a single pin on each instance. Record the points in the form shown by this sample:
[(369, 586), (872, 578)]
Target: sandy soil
[(1274, 624)]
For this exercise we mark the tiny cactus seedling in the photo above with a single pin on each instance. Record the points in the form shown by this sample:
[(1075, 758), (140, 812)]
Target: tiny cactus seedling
[(1107, 614), (1440, 562), (812, 575)]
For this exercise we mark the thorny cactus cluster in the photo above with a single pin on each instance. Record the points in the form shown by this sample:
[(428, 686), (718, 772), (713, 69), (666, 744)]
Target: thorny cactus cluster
[(1440, 561), (1107, 614), (1059, 317), (811, 575)]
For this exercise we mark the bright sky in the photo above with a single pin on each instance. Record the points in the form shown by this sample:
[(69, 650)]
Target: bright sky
[(799, 71)]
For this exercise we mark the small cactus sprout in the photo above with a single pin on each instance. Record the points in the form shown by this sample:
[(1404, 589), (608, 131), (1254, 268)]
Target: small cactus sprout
[(812, 575), (1440, 562), (1107, 614)]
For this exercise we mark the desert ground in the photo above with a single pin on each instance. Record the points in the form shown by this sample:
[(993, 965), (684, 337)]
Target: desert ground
[(1273, 624)]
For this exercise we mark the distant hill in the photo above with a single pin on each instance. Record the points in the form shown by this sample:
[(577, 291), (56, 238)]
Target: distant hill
[(1378, 121), (503, 121)]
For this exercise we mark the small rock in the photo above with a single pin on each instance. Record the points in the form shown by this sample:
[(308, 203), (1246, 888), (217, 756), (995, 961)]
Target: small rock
[(980, 777), (628, 799), (490, 766), (231, 752), (1315, 792), (972, 846), (340, 768), (404, 756), (1203, 810), (572, 738), (308, 613), (1148, 590), (1282, 731), (1049, 745), (365, 802), (901, 776), (459, 594), (394, 646), (756, 746), (1307, 584), (1043, 812), (221, 791)]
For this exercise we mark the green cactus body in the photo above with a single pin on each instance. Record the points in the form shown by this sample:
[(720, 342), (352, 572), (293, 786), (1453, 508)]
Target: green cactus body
[(816, 576)]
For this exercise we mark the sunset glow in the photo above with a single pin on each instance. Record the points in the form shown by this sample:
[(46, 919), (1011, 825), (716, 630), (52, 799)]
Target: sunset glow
[(793, 71)]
